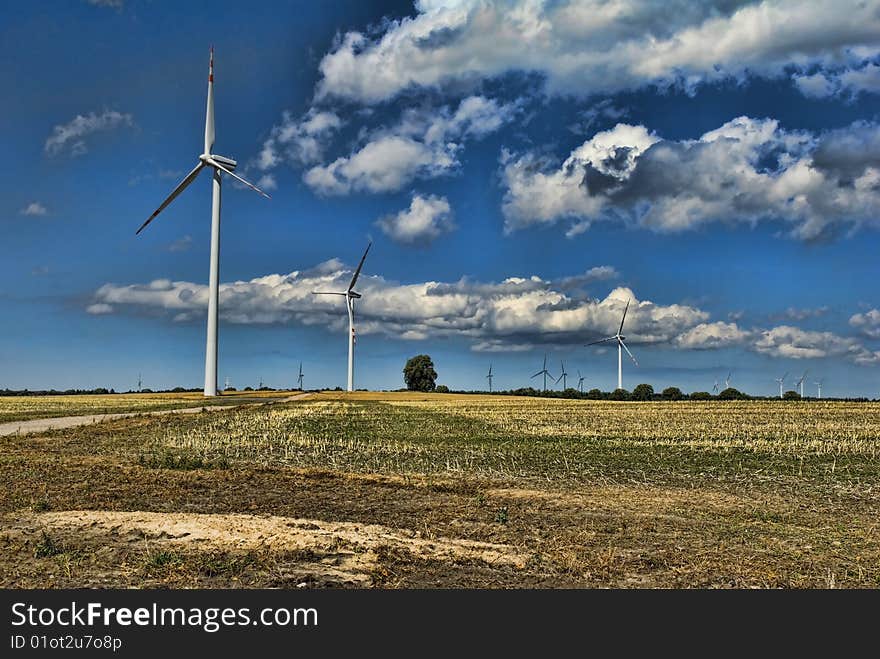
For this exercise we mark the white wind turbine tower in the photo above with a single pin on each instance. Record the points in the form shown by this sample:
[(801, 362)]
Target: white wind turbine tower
[(800, 384), (217, 164), (489, 377), (140, 383), (580, 382), (620, 347), (715, 387), (562, 376), (544, 372), (780, 381), (819, 387), (727, 380), (350, 296), (300, 378)]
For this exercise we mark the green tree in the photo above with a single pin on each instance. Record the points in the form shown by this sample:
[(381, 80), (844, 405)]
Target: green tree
[(731, 394), (442, 389), (619, 394), (643, 392), (419, 373), (595, 394), (672, 393), (701, 395), (791, 395)]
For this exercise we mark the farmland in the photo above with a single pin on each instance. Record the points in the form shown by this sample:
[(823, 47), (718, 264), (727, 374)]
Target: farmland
[(24, 408), (411, 490)]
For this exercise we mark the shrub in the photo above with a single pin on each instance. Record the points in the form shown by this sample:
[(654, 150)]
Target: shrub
[(731, 394), (672, 393), (701, 395), (442, 389), (619, 394), (643, 392), (419, 373)]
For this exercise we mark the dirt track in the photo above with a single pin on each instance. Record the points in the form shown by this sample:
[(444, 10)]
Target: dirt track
[(42, 425)]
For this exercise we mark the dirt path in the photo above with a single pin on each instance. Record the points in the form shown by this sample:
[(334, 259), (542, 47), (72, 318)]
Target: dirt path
[(342, 553), (42, 425)]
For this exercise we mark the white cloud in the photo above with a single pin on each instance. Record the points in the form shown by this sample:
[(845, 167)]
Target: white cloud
[(848, 82), (424, 144), (587, 47), (300, 142), (426, 219), (99, 309), (267, 182), (511, 315), (795, 343), (34, 208), (868, 323), (514, 312), (113, 4), (748, 170), (181, 244), (715, 335), (71, 136)]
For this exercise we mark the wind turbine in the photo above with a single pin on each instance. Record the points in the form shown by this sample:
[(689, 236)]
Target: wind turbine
[(563, 376), (819, 387), (580, 382), (489, 377), (139, 383), (217, 164), (715, 387), (544, 372), (727, 380), (620, 345), (800, 383), (350, 296), (300, 378), (780, 381)]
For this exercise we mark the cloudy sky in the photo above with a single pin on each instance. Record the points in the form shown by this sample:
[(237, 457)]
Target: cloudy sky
[(524, 168)]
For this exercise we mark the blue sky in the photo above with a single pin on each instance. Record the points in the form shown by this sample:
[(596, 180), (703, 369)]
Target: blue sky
[(523, 169)]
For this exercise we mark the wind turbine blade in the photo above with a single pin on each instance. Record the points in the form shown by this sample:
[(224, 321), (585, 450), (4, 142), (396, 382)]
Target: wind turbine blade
[(209, 113), (537, 374), (189, 178), (253, 187), (629, 353), (610, 338), (357, 273), (624, 317), (559, 378), (328, 293)]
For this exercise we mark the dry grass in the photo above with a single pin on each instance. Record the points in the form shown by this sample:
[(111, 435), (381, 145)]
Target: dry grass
[(23, 408), (594, 494)]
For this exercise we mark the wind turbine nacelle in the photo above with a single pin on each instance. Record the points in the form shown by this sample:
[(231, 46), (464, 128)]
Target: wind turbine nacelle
[(229, 163)]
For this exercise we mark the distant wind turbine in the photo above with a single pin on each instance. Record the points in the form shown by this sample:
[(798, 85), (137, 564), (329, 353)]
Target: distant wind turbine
[(543, 372), (780, 381), (800, 383), (819, 387), (620, 346), (218, 164), (299, 379), (489, 377), (350, 296), (715, 387), (563, 376), (727, 380), (140, 383), (580, 382)]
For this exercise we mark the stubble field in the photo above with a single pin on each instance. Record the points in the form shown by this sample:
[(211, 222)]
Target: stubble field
[(406, 490)]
